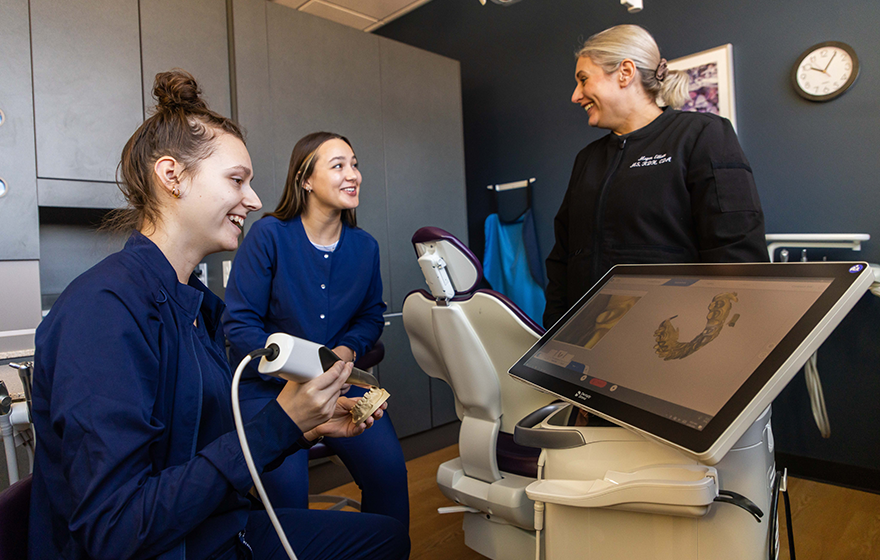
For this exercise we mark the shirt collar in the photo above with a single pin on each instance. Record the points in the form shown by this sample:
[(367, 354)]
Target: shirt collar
[(192, 297)]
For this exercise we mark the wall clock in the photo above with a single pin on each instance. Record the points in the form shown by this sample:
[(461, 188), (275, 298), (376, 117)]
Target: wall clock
[(824, 71)]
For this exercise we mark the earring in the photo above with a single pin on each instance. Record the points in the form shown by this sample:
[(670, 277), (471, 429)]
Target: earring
[(175, 192)]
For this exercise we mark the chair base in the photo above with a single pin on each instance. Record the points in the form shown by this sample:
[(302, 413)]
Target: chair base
[(505, 498), (496, 539)]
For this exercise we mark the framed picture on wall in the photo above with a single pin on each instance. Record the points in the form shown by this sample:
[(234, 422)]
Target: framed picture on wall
[(710, 81)]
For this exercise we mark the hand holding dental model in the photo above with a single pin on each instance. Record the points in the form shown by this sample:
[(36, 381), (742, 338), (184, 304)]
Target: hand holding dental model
[(318, 410)]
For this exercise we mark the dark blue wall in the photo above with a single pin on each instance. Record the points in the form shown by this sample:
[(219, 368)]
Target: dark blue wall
[(814, 163)]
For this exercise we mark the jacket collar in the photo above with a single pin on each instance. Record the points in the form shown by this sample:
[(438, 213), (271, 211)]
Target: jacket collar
[(191, 298), (648, 129)]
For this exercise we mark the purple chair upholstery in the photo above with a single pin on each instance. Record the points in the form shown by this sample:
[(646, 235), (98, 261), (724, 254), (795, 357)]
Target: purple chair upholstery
[(15, 507), (372, 357)]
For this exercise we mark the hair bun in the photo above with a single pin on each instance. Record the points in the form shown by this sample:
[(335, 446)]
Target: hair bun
[(177, 89)]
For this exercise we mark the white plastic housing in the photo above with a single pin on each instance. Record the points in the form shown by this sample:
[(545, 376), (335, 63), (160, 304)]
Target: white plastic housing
[(434, 268), (298, 360)]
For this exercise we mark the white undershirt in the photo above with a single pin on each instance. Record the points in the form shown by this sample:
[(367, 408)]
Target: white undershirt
[(326, 248)]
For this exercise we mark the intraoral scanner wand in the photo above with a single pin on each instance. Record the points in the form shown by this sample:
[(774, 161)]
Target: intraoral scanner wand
[(301, 360)]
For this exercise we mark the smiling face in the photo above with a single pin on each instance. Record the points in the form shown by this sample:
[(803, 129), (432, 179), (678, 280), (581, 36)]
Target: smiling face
[(216, 198), (599, 94), (335, 181)]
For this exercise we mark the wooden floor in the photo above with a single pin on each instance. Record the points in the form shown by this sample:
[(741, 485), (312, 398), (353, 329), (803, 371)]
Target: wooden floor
[(830, 522)]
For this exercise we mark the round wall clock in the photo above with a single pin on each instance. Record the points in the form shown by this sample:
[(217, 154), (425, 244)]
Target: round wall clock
[(824, 71)]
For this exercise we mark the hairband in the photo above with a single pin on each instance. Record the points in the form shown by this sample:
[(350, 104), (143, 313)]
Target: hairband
[(661, 71)]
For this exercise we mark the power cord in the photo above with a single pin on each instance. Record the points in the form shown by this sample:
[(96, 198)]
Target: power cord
[(780, 485), (271, 352), (731, 497), (817, 397)]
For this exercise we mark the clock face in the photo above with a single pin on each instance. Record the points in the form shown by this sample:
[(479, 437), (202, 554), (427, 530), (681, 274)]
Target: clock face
[(825, 71)]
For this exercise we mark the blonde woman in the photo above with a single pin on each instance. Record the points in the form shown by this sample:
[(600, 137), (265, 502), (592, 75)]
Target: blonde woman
[(663, 186)]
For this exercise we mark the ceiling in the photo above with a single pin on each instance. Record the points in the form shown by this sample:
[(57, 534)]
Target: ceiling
[(365, 15)]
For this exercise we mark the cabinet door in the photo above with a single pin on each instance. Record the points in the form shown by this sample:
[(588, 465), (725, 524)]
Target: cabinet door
[(191, 35), (87, 85), (442, 403), (400, 375), (19, 221), (253, 100), (325, 76), (424, 155)]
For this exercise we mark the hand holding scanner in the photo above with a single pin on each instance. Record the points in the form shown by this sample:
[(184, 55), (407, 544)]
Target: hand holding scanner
[(301, 360)]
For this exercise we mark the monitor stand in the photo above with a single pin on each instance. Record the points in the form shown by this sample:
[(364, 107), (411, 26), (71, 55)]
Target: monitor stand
[(620, 496)]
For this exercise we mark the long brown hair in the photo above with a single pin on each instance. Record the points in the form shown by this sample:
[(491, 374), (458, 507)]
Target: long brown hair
[(295, 199), (181, 126)]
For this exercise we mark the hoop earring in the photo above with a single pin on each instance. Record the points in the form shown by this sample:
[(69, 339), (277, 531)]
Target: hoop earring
[(175, 192)]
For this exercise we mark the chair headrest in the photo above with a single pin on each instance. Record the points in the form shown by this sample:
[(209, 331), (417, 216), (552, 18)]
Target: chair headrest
[(462, 266)]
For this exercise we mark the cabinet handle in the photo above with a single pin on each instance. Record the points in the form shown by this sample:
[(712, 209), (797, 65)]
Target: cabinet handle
[(4, 188)]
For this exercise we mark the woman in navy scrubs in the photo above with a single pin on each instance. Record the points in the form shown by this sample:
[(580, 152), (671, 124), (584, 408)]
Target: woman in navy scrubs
[(138, 456), (306, 269)]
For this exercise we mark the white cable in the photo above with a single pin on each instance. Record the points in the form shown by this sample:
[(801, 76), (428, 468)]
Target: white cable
[(817, 398), (239, 428), (539, 507)]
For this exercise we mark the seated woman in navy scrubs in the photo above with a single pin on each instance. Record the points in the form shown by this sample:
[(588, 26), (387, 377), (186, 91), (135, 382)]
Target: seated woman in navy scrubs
[(138, 456), (306, 269)]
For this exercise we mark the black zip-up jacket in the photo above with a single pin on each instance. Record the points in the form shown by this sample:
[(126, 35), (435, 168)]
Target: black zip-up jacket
[(678, 190)]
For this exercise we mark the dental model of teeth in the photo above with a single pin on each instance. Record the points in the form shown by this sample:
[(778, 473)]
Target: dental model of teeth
[(368, 404)]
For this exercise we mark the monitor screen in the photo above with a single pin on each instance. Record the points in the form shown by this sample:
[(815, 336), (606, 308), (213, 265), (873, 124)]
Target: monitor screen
[(679, 351)]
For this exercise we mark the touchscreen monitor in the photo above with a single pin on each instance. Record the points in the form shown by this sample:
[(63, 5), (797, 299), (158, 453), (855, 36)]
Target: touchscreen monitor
[(691, 354)]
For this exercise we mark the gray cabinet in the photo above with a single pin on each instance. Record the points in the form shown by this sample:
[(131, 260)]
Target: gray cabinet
[(410, 404), (442, 403), (424, 155), (87, 86), (93, 69), (253, 107), (191, 35), (19, 220), (418, 402)]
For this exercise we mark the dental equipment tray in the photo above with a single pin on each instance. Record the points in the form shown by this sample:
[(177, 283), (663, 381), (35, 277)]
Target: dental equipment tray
[(690, 355)]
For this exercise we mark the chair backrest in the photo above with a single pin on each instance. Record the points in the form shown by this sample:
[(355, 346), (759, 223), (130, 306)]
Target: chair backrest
[(469, 338), (15, 507)]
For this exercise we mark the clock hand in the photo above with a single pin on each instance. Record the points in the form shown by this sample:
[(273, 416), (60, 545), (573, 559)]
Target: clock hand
[(818, 70), (829, 61)]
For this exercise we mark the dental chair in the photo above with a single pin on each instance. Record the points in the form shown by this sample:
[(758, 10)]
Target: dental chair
[(469, 338)]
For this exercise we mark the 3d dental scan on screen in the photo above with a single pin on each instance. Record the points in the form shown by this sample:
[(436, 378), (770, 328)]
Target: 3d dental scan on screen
[(691, 354)]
